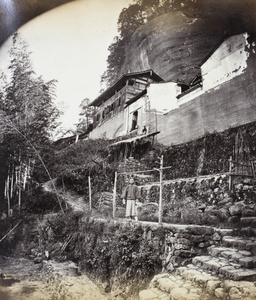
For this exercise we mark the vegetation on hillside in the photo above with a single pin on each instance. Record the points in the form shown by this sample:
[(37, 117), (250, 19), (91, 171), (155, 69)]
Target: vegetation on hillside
[(210, 154), (28, 117), (237, 15), (74, 164)]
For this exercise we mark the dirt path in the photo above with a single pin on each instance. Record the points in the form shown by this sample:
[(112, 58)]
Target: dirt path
[(21, 279)]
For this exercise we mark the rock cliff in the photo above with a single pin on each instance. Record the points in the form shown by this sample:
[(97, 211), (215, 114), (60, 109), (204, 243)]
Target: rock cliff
[(173, 45)]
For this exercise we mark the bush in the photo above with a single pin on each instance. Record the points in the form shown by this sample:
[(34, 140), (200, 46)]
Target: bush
[(209, 154), (39, 201)]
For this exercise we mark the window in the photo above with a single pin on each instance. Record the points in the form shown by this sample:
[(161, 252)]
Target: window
[(130, 82), (134, 120)]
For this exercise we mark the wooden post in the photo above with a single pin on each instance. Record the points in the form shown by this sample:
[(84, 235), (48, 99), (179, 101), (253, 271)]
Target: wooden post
[(161, 190), (90, 193), (230, 174), (114, 197)]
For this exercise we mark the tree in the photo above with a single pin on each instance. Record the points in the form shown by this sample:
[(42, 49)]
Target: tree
[(86, 115), (129, 20), (27, 115)]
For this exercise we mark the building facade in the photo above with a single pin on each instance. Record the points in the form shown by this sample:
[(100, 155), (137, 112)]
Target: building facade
[(129, 106), (223, 95)]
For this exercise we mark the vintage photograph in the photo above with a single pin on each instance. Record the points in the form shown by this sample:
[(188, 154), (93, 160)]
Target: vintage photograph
[(128, 150)]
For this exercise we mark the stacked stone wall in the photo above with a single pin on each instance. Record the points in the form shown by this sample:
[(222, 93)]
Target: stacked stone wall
[(116, 252), (205, 200)]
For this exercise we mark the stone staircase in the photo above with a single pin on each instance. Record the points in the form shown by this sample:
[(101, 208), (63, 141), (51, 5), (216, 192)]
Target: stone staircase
[(243, 218), (227, 271)]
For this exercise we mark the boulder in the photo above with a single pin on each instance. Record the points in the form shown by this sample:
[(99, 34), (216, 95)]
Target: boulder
[(237, 208)]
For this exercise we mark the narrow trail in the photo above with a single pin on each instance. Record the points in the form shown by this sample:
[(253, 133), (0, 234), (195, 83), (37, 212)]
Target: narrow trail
[(76, 202)]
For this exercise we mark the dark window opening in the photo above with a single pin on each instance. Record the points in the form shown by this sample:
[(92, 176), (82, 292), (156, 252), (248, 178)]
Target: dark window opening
[(134, 120)]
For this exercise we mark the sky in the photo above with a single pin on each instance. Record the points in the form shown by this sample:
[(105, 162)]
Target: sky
[(70, 43)]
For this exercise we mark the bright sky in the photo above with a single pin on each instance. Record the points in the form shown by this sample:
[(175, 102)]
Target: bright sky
[(69, 43)]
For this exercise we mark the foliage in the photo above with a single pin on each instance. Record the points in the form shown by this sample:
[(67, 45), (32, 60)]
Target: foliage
[(28, 99), (38, 201), (211, 152), (74, 164), (47, 153), (87, 114), (118, 252), (27, 118)]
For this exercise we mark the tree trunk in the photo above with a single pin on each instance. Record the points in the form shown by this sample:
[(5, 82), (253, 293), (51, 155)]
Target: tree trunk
[(19, 187), (25, 178), (12, 183), (8, 196)]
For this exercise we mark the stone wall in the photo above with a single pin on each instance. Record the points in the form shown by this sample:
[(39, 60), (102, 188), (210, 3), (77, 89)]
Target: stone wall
[(122, 254), (204, 200), (231, 104), (210, 189)]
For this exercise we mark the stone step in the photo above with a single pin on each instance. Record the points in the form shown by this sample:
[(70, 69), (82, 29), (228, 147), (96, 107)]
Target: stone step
[(249, 211), (225, 231), (167, 286), (191, 283), (247, 232), (238, 242), (248, 221), (243, 257), (223, 267), (153, 294)]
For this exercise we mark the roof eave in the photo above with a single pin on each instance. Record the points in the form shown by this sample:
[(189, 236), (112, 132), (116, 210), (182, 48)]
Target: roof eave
[(112, 88)]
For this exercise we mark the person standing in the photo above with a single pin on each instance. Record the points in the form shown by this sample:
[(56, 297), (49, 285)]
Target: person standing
[(130, 196)]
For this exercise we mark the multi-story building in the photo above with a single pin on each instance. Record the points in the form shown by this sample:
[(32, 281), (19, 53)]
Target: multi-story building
[(140, 105)]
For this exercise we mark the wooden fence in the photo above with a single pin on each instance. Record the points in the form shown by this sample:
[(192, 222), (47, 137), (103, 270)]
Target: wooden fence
[(240, 169)]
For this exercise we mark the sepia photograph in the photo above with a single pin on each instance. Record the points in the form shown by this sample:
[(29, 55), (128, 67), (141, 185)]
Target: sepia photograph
[(128, 150)]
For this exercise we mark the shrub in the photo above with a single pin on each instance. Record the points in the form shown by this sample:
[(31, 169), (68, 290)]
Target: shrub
[(39, 201)]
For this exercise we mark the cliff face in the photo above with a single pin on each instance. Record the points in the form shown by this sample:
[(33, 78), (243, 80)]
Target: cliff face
[(173, 45)]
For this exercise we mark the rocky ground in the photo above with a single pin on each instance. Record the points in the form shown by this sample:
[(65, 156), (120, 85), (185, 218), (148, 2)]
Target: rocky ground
[(190, 283), (22, 279)]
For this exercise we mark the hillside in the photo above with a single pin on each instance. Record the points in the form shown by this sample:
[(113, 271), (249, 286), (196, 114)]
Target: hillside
[(173, 45)]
